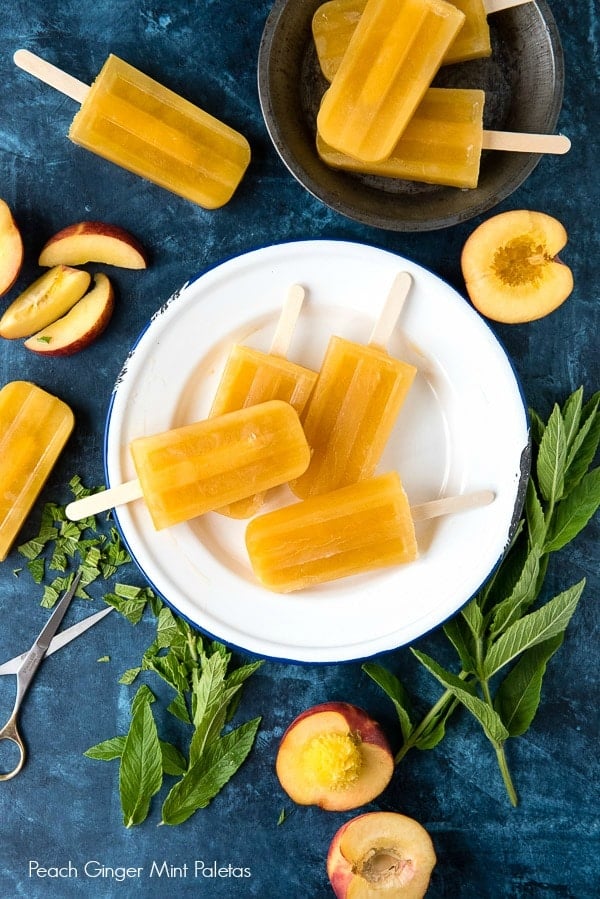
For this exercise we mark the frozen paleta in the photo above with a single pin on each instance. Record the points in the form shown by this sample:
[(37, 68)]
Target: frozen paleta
[(34, 427), (441, 144), (251, 376), (197, 468), (392, 57), (135, 122), (352, 410), (349, 531), (334, 24)]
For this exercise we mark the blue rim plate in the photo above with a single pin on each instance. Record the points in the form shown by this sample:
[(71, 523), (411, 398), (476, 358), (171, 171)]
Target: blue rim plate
[(463, 427)]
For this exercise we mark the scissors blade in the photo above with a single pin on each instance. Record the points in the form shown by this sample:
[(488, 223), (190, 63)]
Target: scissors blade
[(60, 640)]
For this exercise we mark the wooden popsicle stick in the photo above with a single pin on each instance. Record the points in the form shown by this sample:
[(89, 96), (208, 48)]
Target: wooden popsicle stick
[(104, 500), (519, 142), (287, 321), (492, 6), (450, 504), (51, 75), (392, 308)]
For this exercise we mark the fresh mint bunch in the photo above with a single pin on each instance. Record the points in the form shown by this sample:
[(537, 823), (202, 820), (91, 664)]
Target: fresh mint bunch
[(506, 635)]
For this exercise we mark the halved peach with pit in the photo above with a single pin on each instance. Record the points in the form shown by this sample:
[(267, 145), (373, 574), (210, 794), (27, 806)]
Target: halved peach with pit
[(378, 855), (511, 267), (335, 756)]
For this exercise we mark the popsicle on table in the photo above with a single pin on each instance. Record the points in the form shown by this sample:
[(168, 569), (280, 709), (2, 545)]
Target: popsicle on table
[(443, 141), (392, 57), (197, 468), (251, 376), (354, 405), (34, 427), (334, 24), (352, 530), (136, 123)]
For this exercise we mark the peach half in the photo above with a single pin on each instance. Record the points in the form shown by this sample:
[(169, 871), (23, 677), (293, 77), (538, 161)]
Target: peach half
[(380, 854), (511, 267), (82, 324), (93, 242), (11, 249), (335, 756), (44, 301)]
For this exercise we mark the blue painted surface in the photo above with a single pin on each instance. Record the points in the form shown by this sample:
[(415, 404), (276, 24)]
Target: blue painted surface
[(63, 808)]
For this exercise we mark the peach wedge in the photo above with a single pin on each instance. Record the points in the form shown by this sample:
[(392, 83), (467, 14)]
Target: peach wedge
[(11, 249), (44, 301), (93, 242), (511, 267), (379, 855), (334, 756), (82, 324)]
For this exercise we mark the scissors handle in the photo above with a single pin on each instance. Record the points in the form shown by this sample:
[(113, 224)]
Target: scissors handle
[(10, 733)]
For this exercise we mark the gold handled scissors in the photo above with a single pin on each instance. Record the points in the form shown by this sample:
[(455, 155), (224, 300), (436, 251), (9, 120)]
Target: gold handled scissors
[(26, 665)]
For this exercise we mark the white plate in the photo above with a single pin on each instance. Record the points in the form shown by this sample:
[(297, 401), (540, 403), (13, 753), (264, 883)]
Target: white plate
[(463, 427)]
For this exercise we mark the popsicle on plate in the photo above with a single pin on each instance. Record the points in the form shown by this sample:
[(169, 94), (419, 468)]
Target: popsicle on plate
[(352, 530), (358, 395), (135, 122), (200, 467), (251, 376), (443, 141), (392, 57), (34, 427)]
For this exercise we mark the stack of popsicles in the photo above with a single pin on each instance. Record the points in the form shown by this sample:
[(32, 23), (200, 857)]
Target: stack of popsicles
[(380, 114), (349, 520)]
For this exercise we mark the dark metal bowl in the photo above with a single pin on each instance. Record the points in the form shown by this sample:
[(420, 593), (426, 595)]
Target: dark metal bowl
[(523, 81)]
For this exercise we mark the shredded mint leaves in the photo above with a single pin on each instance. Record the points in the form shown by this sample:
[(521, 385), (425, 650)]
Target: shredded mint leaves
[(506, 635), (206, 690)]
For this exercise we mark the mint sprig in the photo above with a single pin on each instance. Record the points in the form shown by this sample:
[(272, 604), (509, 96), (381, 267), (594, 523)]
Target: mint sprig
[(506, 635)]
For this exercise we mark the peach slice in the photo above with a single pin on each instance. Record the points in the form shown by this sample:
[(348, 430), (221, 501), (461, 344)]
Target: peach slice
[(335, 756), (511, 267), (82, 324), (11, 249), (44, 301), (93, 242), (380, 854)]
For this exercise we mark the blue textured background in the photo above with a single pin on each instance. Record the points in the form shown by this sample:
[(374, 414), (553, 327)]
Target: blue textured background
[(64, 807)]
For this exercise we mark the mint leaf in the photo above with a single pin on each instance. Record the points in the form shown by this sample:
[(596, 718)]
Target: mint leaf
[(201, 783), (107, 750), (518, 695), (548, 621), (522, 596), (552, 456), (140, 771), (393, 688), (574, 512)]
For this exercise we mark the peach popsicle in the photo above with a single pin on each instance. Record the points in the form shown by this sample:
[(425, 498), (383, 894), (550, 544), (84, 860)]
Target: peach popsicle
[(334, 24), (352, 530), (392, 57), (252, 377), (355, 403), (135, 122), (443, 141), (200, 467), (34, 427)]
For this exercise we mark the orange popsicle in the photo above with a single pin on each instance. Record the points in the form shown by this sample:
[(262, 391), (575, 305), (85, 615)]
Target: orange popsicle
[(355, 403), (135, 122), (196, 468), (392, 57), (349, 531), (252, 377), (34, 427)]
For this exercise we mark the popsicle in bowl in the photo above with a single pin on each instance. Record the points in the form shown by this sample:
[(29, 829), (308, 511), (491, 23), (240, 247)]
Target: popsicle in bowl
[(142, 126), (392, 57), (352, 530), (197, 468), (251, 376), (443, 142), (34, 427), (354, 405), (334, 24)]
